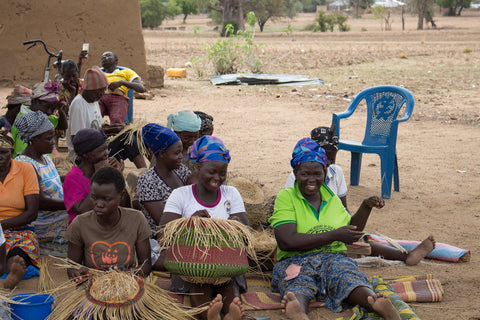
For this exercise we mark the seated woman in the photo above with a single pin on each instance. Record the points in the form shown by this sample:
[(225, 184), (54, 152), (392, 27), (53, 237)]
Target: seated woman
[(311, 228), (327, 139), (210, 198), (157, 183), (186, 125), (91, 152), (18, 208), (98, 238), (38, 132)]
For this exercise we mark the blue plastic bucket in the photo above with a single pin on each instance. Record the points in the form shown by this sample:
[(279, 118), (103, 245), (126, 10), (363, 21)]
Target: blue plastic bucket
[(34, 307)]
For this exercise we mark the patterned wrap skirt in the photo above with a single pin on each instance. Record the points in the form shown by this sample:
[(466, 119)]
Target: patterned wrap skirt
[(329, 277), (25, 239)]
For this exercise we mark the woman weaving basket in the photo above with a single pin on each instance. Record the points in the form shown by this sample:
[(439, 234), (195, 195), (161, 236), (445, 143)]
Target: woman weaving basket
[(311, 227), (210, 199)]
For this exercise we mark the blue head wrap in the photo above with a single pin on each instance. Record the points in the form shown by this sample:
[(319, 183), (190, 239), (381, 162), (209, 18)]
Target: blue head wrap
[(209, 148), (307, 150), (158, 138), (185, 120)]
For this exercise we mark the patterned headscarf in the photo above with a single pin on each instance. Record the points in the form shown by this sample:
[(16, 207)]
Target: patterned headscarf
[(326, 137), (20, 95), (185, 120), (158, 138), (32, 124), (46, 91), (307, 150), (209, 148)]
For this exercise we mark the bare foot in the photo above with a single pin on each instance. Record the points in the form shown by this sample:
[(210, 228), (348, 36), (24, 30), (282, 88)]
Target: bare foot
[(292, 308), (235, 310), (214, 308), (383, 306), (420, 251), (17, 269)]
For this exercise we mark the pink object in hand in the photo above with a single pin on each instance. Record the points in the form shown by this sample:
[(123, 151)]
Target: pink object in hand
[(292, 271)]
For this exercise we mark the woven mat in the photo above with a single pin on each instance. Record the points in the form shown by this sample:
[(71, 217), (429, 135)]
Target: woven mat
[(410, 289)]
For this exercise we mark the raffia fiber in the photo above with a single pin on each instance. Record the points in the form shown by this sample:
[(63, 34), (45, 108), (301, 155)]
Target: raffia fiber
[(203, 236), (45, 281), (122, 295)]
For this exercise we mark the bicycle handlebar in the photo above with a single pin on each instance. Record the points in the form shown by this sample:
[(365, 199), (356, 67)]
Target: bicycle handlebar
[(34, 43)]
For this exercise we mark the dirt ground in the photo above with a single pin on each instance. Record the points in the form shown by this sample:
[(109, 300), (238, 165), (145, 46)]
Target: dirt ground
[(438, 148)]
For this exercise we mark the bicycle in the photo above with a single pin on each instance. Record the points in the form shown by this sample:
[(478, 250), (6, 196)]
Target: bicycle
[(57, 64)]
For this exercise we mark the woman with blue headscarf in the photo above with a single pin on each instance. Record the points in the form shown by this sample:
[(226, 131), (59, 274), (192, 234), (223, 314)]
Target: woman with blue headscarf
[(209, 198), (157, 183), (311, 228)]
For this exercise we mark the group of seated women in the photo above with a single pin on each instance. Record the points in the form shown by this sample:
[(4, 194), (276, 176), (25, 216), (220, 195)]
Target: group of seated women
[(186, 178)]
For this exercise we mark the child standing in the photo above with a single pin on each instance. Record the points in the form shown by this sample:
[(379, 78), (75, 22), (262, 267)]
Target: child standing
[(209, 198)]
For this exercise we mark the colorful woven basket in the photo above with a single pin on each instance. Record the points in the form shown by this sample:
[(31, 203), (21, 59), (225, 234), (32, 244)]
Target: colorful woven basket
[(204, 252)]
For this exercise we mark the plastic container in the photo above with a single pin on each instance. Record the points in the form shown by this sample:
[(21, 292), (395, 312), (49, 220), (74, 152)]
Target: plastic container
[(34, 307)]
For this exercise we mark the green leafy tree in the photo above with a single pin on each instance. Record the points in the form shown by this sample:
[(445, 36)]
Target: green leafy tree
[(455, 7), (265, 10), (188, 7), (153, 12)]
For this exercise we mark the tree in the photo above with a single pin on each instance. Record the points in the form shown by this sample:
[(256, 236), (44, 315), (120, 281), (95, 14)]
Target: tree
[(424, 9), (265, 10), (455, 7), (187, 7), (230, 12), (153, 12)]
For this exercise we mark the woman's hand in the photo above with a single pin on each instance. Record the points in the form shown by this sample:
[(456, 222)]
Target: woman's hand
[(375, 202), (347, 234), (112, 162), (79, 275), (201, 213), (232, 217)]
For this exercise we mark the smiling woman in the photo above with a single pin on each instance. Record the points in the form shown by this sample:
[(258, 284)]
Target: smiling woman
[(208, 198)]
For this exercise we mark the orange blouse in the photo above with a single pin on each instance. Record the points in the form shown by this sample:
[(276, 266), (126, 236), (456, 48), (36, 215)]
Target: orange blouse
[(21, 181)]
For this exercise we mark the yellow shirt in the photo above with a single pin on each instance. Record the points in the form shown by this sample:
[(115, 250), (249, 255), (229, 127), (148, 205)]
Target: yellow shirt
[(21, 181), (122, 74)]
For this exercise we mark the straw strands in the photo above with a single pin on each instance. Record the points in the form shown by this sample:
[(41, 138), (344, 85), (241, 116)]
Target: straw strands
[(45, 281), (122, 295), (209, 232)]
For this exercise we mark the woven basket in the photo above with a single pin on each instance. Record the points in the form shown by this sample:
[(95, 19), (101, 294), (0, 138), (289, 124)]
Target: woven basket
[(208, 261)]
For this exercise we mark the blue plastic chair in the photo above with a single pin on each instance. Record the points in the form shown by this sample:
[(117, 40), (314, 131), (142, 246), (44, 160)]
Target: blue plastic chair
[(383, 106)]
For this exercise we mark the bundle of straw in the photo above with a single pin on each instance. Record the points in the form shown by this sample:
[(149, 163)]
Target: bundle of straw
[(45, 281), (207, 250), (266, 248), (122, 295), (253, 198)]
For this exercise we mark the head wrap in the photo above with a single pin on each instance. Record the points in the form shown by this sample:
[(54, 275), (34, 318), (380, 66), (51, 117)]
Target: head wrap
[(158, 138), (185, 120), (326, 137), (307, 150), (87, 140), (5, 140), (209, 148), (32, 124), (207, 120), (46, 91), (20, 95), (94, 79)]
